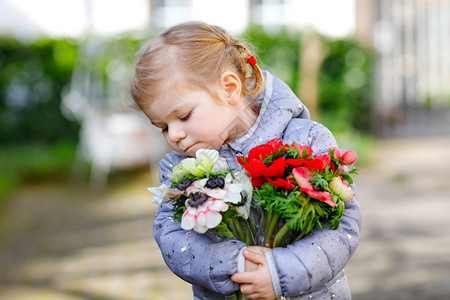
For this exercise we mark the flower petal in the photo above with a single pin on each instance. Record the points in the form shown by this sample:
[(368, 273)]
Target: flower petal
[(281, 183), (258, 182), (215, 193), (302, 176), (341, 189), (305, 151), (201, 219), (276, 169), (322, 196), (188, 219), (216, 205), (158, 193), (260, 152), (295, 162), (349, 157), (256, 168), (319, 162), (211, 154), (213, 219)]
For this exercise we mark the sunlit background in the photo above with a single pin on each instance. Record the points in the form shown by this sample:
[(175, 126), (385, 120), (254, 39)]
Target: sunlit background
[(76, 157)]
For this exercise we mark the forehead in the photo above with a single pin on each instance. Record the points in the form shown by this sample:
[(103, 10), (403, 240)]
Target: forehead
[(170, 103)]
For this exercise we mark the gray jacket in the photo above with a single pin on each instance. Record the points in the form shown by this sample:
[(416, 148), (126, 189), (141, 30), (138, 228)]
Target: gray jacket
[(312, 268)]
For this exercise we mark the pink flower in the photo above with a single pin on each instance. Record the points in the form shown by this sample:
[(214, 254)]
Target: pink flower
[(346, 157), (322, 196), (302, 176), (341, 189), (305, 151)]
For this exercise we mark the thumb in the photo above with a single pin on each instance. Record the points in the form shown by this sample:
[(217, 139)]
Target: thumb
[(257, 258)]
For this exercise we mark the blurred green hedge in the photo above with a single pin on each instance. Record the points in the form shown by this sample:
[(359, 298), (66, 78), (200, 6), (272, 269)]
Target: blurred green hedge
[(31, 80)]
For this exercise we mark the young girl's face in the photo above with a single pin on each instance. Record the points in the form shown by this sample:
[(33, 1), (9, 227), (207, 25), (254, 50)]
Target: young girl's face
[(190, 119)]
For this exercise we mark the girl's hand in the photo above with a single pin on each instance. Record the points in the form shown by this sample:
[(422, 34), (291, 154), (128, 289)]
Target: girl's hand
[(251, 266), (256, 284)]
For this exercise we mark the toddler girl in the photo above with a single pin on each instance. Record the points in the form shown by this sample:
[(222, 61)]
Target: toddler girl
[(204, 89)]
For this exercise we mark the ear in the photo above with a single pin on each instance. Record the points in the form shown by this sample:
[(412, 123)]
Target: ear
[(232, 86)]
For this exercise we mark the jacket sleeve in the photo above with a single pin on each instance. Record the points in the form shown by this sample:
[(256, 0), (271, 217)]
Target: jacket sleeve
[(200, 259), (314, 260)]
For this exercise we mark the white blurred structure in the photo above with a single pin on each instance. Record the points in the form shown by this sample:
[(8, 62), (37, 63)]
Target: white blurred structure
[(113, 135), (28, 18), (412, 41)]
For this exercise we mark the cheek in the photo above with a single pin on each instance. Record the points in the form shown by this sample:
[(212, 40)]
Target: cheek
[(168, 141)]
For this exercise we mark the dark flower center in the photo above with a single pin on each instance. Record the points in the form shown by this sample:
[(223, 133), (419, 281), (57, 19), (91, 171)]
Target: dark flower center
[(184, 184), (197, 199), (213, 183)]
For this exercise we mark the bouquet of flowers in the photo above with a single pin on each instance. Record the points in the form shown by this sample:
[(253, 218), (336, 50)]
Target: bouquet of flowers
[(296, 191), (208, 195)]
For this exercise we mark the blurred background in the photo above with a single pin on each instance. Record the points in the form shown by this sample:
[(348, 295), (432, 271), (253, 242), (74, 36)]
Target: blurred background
[(76, 158)]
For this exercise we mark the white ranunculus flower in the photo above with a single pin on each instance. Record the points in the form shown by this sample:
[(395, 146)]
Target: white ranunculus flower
[(163, 193), (203, 215), (246, 192)]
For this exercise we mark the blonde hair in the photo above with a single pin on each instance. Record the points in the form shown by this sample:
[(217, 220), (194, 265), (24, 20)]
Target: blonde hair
[(194, 51)]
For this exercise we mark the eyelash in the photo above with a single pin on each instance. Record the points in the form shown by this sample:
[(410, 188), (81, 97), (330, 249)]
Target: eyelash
[(186, 116), (183, 118)]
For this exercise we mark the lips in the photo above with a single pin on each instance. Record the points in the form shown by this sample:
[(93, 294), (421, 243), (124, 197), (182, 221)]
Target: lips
[(188, 148)]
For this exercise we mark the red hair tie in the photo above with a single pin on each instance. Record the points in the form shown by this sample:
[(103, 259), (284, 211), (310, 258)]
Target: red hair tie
[(251, 61)]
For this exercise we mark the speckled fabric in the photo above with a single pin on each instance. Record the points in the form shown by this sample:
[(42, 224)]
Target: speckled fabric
[(312, 268)]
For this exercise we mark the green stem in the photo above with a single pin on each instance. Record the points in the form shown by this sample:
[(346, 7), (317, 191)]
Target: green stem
[(252, 221), (271, 223), (281, 236), (236, 296), (239, 230), (231, 227), (249, 236), (241, 296), (299, 237)]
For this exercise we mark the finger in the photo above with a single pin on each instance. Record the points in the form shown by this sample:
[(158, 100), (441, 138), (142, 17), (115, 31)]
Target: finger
[(255, 257), (258, 249), (247, 289), (253, 296), (243, 277)]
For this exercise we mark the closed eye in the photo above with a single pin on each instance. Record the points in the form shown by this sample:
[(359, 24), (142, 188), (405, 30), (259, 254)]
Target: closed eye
[(186, 116)]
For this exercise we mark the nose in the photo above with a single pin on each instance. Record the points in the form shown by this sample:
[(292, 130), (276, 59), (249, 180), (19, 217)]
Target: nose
[(176, 133)]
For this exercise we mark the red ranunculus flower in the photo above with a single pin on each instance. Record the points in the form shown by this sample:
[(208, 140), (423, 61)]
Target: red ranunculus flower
[(260, 173), (282, 183), (258, 182), (262, 151), (319, 162), (296, 162)]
